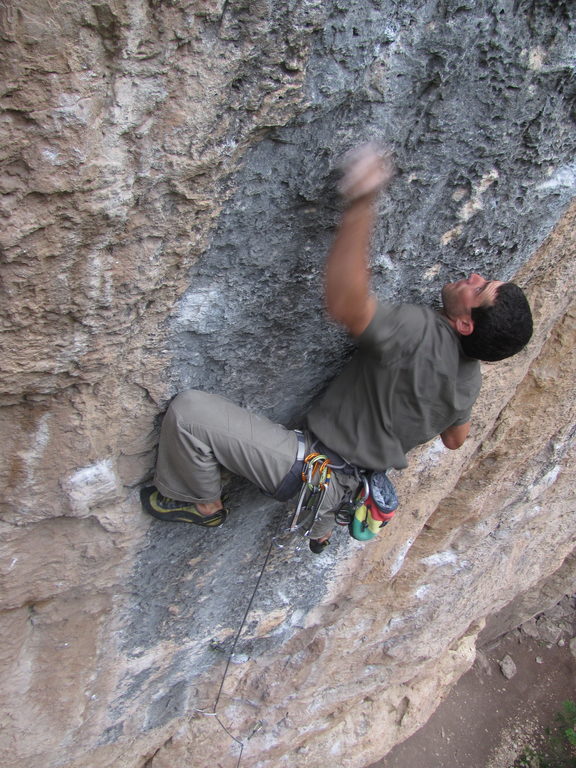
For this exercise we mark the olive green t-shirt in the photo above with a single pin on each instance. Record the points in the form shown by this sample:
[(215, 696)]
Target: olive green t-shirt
[(408, 381)]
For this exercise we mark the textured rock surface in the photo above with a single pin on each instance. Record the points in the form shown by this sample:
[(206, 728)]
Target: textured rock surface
[(167, 176)]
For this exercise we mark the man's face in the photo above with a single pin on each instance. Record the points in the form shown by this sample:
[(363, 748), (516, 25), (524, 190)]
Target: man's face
[(460, 298)]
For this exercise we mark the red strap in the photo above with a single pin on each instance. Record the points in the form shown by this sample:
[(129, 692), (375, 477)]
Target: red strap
[(377, 513)]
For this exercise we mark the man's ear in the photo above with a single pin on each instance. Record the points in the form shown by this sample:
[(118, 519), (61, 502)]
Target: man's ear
[(464, 325)]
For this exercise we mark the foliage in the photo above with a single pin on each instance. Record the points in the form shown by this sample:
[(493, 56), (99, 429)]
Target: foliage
[(558, 749)]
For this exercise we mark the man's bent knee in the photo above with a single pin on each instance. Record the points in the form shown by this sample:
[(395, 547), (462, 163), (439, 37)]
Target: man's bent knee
[(189, 402)]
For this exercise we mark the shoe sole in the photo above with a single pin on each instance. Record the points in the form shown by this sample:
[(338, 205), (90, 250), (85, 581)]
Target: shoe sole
[(318, 547), (180, 515)]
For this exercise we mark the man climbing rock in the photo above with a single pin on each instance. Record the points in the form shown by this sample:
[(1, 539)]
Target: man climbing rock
[(415, 375)]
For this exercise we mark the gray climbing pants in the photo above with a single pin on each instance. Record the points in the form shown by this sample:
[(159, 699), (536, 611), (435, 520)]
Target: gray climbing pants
[(202, 432)]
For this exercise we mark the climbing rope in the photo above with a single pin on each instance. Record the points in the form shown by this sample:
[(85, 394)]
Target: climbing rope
[(316, 475), (214, 713)]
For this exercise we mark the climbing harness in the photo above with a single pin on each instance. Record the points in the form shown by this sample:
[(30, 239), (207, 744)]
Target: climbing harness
[(290, 486), (365, 511)]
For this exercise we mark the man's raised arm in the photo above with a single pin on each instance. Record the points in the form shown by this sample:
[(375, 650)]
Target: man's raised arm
[(348, 296)]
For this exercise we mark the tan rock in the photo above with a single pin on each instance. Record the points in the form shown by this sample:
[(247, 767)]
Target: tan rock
[(123, 124)]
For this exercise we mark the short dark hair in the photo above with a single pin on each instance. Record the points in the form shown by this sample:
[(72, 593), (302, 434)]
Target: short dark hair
[(501, 330)]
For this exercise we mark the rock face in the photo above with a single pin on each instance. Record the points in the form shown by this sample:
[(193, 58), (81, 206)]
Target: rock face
[(167, 180)]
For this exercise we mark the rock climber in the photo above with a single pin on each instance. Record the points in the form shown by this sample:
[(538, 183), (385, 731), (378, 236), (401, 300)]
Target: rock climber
[(415, 375)]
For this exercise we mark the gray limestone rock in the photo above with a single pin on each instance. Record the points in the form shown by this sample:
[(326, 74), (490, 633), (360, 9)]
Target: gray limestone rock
[(507, 667), (167, 193), (549, 629)]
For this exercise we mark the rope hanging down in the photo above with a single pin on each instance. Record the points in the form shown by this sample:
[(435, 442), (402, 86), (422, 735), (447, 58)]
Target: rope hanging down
[(316, 476)]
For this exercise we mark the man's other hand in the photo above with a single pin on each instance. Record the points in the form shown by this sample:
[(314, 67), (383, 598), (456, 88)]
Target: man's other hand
[(366, 170), (453, 437)]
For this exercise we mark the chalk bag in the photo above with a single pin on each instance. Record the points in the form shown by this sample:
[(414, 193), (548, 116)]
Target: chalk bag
[(376, 510)]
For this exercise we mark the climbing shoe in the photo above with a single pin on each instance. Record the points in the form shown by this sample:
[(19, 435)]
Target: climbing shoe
[(318, 546), (176, 511)]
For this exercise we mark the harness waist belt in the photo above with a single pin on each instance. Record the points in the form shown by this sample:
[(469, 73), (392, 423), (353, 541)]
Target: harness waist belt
[(336, 461), (291, 484)]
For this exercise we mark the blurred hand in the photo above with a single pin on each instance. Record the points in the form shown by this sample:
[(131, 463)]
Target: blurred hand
[(367, 170)]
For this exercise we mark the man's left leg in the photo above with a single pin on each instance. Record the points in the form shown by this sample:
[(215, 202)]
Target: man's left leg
[(202, 432)]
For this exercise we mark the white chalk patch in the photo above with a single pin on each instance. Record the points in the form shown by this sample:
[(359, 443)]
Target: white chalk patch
[(544, 483), (459, 194), (229, 145), (563, 177), (470, 208), (432, 272), (399, 561), (383, 260), (422, 591), (90, 486), (99, 280), (239, 658), (440, 559), (134, 99), (32, 456), (433, 453), (297, 618), (197, 311), (534, 511), (487, 180), (51, 155), (475, 204), (451, 234), (536, 57)]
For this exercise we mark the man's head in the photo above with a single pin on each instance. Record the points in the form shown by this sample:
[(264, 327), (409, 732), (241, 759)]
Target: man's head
[(493, 318)]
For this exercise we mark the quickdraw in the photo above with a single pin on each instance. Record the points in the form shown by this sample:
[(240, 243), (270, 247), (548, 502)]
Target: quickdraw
[(316, 476)]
